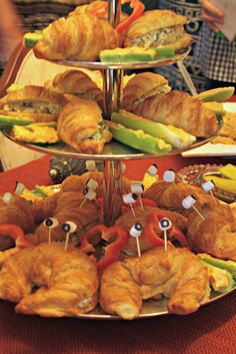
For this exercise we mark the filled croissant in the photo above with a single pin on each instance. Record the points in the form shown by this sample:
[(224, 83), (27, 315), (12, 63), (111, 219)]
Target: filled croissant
[(158, 28), (80, 37), (77, 83), (180, 109), (33, 102), (80, 125)]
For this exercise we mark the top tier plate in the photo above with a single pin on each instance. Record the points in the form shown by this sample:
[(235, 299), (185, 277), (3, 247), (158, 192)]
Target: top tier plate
[(124, 65)]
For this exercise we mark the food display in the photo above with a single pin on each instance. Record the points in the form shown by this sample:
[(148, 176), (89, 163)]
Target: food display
[(100, 245)]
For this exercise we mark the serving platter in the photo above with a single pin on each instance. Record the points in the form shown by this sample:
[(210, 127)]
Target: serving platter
[(112, 151)]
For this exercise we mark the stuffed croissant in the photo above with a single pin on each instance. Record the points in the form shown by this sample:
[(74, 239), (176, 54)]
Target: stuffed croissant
[(158, 28), (80, 37), (80, 125)]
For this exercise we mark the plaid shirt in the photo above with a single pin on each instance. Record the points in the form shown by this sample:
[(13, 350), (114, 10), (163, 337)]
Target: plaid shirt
[(217, 56)]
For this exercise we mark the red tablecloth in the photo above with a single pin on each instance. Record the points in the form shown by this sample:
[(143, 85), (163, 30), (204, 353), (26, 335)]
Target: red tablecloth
[(210, 330)]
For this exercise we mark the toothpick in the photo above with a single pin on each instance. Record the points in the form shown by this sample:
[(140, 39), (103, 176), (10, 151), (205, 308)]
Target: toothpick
[(197, 211)]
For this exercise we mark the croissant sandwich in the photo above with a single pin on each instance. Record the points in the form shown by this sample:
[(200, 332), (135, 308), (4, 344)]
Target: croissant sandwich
[(180, 109), (80, 125), (158, 28), (142, 86), (77, 83), (33, 102), (80, 37)]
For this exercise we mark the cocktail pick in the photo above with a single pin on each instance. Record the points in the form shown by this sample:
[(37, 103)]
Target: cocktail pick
[(130, 198), (90, 165), (92, 184), (165, 224), (50, 223), (68, 227), (138, 188), (152, 171), (189, 202), (89, 195), (136, 231), (207, 187), (169, 176)]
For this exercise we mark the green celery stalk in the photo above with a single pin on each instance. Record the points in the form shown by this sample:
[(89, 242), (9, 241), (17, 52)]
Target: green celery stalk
[(7, 122), (229, 265), (133, 54), (31, 39), (164, 52), (177, 137), (139, 140)]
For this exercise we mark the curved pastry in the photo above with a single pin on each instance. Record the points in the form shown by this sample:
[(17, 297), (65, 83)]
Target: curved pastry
[(216, 234), (77, 83), (34, 102), (68, 281), (80, 125), (180, 109), (143, 85), (80, 37), (158, 27)]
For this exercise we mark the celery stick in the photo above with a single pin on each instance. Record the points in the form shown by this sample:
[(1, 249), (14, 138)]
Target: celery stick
[(230, 266), (139, 140), (164, 52), (7, 122), (31, 39), (177, 137), (118, 55)]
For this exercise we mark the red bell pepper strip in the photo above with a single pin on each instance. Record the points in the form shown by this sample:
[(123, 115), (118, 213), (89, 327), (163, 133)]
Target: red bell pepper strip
[(17, 234), (138, 8), (112, 251)]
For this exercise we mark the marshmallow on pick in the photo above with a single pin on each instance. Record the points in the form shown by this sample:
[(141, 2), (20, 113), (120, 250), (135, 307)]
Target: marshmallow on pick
[(136, 231), (208, 186), (50, 223), (92, 184), (130, 199), (89, 195), (68, 227), (189, 202), (169, 176), (90, 165), (165, 224), (138, 188), (152, 170)]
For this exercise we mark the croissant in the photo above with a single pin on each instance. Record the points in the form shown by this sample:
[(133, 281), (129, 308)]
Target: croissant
[(19, 212), (158, 28), (69, 207), (170, 195), (215, 234), (67, 281), (80, 37), (78, 83), (180, 109), (177, 274), (34, 102), (143, 85), (80, 125), (78, 183)]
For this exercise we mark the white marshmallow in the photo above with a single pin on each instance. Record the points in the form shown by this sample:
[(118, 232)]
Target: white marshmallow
[(136, 230), (69, 227), (19, 188), (208, 186), (137, 187), (152, 170), (188, 202), (90, 165), (165, 224), (51, 223), (90, 195), (7, 197), (92, 184), (169, 176), (129, 198)]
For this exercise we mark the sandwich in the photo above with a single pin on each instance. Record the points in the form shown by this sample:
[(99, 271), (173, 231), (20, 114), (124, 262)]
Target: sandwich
[(158, 28)]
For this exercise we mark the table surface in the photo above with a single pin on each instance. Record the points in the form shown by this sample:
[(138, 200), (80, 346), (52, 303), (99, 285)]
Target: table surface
[(210, 330)]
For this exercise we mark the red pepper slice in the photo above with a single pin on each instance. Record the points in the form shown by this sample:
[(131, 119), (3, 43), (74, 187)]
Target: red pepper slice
[(16, 233), (152, 229), (138, 8), (112, 251)]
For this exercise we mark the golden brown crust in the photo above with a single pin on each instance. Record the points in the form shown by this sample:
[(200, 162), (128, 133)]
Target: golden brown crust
[(78, 122), (142, 86), (76, 82), (119, 293), (79, 37), (180, 109), (216, 233), (37, 117)]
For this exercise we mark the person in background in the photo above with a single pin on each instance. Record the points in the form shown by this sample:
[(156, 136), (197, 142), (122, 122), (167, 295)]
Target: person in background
[(216, 54)]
